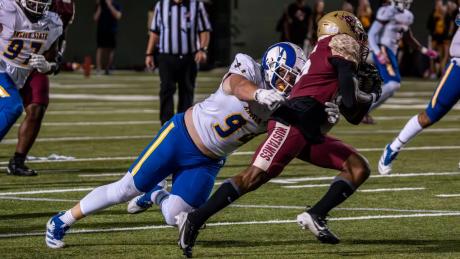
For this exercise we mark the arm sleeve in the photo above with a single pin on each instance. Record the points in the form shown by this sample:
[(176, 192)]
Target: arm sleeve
[(352, 109), (156, 20), (374, 36), (203, 19), (455, 46)]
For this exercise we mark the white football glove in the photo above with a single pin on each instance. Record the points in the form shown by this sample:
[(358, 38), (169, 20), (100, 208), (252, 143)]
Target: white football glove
[(40, 63), (333, 112), (271, 98)]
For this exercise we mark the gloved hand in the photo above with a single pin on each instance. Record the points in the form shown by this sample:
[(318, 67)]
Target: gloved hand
[(40, 63), (429, 52), (333, 112), (271, 98)]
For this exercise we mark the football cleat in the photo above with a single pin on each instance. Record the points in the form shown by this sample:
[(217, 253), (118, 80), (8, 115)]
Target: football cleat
[(17, 167), (386, 159), (318, 226), (55, 232), (188, 233), (144, 201)]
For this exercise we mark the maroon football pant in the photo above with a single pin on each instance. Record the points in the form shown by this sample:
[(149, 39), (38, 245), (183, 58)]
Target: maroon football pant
[(36, 89), (284, 143)]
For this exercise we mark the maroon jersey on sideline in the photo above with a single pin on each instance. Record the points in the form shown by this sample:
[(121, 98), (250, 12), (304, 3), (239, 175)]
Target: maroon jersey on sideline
[(65, 9), (320, 81)]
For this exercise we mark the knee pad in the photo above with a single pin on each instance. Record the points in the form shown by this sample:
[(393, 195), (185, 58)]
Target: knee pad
[(393, 86), (172, 206), (123, 190)]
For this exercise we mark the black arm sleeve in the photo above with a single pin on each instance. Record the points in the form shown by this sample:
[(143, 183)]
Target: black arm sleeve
[(350, 108)]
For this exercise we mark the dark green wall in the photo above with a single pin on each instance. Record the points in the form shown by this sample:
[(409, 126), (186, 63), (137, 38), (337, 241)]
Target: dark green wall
[(132, 35), (241, 26)]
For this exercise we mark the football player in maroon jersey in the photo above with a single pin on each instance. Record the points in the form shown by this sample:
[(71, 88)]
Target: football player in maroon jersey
[(298, 130), (35, 97)]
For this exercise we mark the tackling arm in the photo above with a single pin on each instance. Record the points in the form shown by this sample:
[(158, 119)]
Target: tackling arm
[(240, 87)]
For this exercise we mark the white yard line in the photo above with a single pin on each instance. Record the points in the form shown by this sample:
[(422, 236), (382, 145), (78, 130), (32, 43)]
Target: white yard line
[(410, 106), (306, 186), (393, 189), (35, 199), (393, 131), (447, 195), (324, 178), (363, 190), (101, 175), (62, 139), (105, 112), (48, 191), (112, 97), (98, 123), (389, 118), (218, 224)]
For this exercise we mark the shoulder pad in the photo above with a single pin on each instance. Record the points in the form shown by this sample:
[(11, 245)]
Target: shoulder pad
[(385, 13), (8, 6), (344, 46), (53, 19), (410, 16), (245, 66)]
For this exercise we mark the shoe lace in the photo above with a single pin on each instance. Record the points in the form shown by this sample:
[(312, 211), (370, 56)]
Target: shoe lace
[(192, 234)]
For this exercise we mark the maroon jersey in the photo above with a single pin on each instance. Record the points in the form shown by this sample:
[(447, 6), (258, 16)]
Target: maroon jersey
[(320, 80), (65, 9)]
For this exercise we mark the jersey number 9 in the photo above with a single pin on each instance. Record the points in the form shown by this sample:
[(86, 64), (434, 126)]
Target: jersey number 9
[(16, 46), (233, 123)]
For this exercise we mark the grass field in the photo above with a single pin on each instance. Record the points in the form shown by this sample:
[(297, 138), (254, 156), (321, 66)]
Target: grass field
[(104, 123)]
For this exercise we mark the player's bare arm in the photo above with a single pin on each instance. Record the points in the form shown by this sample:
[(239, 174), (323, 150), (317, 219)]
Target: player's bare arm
[(415, 44)]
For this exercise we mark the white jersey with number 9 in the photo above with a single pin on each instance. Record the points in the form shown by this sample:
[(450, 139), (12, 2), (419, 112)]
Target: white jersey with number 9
[(222, 121)]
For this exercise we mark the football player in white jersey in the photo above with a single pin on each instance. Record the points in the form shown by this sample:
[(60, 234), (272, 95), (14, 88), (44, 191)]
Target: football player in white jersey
[(192, 146), (444, 98), (391, 25), (27, 31)]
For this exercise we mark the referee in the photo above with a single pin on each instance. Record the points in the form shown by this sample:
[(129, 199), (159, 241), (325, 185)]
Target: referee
[(181, 30)]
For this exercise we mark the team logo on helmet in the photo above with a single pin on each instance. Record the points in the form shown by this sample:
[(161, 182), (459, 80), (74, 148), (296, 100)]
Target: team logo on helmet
[(282, 63)]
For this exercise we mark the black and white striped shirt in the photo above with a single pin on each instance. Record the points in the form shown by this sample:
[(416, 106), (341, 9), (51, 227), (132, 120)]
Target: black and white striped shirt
[(179, 25)]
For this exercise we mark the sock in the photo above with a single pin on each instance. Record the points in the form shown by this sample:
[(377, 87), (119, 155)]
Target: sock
[(409, 131), (224, 196), (159, 196), (19, 157), (339, 191), (68, 218)]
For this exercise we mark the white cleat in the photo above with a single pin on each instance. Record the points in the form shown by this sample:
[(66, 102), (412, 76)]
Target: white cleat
[(144, 201), (318, 226), (385, 162), (55, 232)]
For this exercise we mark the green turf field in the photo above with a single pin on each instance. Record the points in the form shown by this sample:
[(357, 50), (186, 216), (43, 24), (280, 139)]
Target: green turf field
[(399, 216)]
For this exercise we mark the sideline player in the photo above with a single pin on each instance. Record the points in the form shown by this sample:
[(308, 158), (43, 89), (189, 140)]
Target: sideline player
[(391, 25), (35, 97), (192, 146), (444, 98), (28, 30), (295, 130)]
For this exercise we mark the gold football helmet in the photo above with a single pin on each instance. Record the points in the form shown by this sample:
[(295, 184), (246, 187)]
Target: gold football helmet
[(342, 22)]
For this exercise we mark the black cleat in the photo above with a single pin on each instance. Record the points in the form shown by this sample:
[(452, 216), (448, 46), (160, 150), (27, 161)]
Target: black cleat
[(318, 226), (17, 167), (187, 234)]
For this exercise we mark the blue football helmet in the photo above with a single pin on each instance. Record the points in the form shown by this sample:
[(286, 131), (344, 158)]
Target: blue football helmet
[(401, 4), (282, 63)]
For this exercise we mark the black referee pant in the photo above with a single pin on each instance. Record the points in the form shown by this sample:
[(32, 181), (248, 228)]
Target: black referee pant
[(181, 70)]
